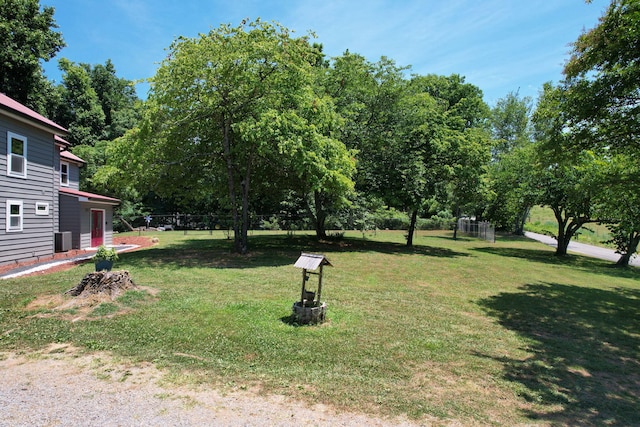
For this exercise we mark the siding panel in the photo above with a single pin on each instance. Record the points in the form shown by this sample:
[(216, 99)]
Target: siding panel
[(37, 237), (70, 211)]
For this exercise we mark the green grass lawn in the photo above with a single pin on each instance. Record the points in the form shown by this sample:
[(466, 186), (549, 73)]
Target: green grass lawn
[(468, 331)]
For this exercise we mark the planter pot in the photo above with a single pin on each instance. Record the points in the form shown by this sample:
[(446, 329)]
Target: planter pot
[(104, 265)]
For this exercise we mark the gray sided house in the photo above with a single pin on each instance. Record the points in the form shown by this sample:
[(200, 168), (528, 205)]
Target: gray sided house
[(41, 208)]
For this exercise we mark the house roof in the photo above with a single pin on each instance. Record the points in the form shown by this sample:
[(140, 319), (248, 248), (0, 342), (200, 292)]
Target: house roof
[(61, 141), (83, 196), (311, 261), (69, 156), (24, 113)]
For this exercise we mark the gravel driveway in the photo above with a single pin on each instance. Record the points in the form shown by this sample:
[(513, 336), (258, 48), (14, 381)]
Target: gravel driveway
[(60, 387)]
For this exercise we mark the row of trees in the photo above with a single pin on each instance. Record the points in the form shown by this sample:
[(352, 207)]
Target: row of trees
[(251, 119), (251, 114)]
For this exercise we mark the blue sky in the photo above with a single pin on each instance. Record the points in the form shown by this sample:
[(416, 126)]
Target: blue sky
[(501, 46)]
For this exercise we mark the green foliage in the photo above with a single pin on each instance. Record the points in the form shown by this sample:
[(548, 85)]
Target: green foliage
[(569, 183), (80, 110), (105, 254), (511, 192), (117, 98), (453, 147), (603, 80), (126, 213), (620, 205), (602, 110), (513, 189), (510, 123), (234, 113), (27, 36)]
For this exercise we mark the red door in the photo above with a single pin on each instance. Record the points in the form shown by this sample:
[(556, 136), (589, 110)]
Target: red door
[(97, 228)]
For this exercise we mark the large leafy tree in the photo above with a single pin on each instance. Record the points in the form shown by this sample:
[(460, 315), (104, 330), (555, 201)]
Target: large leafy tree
[(233, 113), (601, 112), (460, 140), (416, 150), (314, 164), (367, 96), (117, 97), (510, 195), (569, 183), (27, 36), (603, 81), (510, 123), (620, 205), (512, 189), (416, 138), (80, 110)]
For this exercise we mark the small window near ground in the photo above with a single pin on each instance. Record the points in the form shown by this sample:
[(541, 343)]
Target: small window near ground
[(14, 215), (16, 155), (42, 208), (64, 174)]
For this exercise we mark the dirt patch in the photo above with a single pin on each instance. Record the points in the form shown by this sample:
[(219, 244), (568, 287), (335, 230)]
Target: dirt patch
[(93, 306), (142, 241), (98, 295)]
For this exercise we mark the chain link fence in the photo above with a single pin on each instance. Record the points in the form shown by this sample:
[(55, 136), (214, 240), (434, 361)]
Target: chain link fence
[(481, 229)]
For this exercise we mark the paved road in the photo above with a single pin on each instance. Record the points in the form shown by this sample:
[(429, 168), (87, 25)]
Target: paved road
[(581, 248)]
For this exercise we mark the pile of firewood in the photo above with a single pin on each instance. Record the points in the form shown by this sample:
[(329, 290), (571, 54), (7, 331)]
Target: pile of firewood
[(111, 283)]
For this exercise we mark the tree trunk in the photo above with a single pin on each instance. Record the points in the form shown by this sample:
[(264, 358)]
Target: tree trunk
[(321, 233), (566, 230), (455, 224), (561, 238), (520, 221), (235, 215), (632, 247), (412, 228), (244, 228), (318, 215), (244, 236)]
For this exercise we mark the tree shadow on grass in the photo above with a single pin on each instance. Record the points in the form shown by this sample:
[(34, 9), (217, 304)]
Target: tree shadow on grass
[(585, 346), (266, 251)]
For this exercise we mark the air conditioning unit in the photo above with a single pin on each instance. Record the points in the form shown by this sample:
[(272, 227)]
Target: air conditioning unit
[(63, 241)]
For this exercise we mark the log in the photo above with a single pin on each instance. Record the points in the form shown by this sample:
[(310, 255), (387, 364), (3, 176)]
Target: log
[(129, 226)]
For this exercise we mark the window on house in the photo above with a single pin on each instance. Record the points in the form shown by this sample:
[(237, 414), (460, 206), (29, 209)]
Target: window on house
[(16, 155), (42, 208), (64, 174), (14, 215)]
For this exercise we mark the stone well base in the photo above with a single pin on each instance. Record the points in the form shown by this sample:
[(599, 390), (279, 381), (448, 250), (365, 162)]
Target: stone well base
[(309, 315)]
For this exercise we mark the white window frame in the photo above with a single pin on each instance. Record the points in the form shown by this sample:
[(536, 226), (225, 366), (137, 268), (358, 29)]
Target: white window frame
[(20, 216), (42, 208), (11, 157), (64, 177)]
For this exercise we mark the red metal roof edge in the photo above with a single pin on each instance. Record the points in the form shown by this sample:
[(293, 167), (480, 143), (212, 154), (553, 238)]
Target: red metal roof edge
[(71, 157), (95, 197), (61, 141), (22, 110)]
